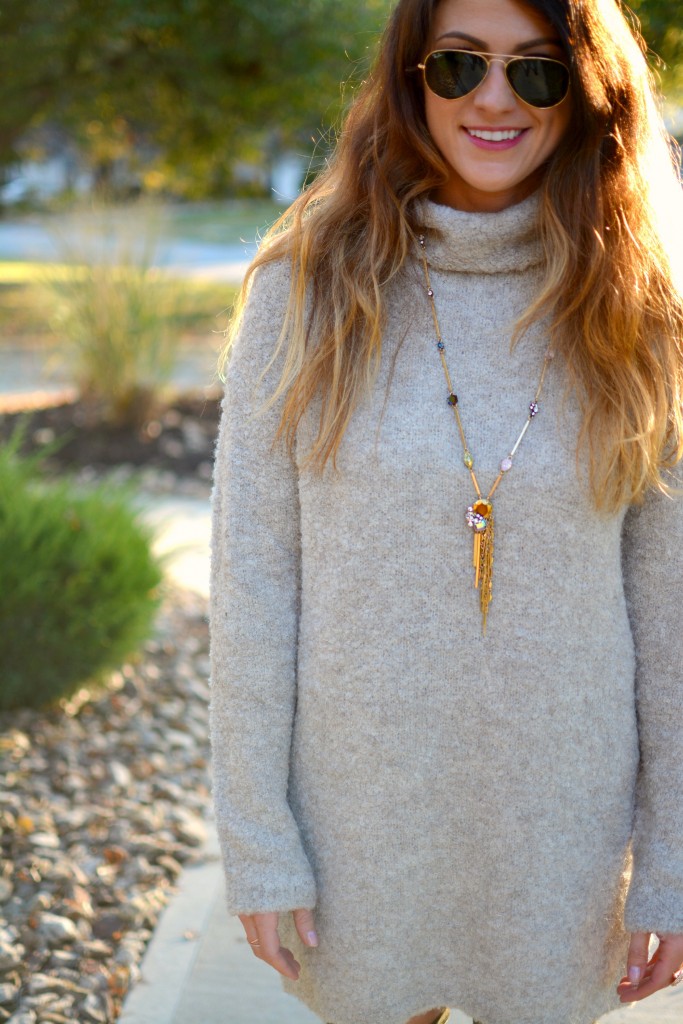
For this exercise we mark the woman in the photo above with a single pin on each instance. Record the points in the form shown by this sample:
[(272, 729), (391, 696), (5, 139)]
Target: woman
[(448, 758)]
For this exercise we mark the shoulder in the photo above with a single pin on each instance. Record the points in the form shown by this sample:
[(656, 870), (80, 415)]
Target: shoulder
[(267, 295), (253, 348), (263, 305)]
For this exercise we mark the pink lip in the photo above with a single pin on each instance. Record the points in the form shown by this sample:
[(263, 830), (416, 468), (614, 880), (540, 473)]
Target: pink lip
[(495, 146)]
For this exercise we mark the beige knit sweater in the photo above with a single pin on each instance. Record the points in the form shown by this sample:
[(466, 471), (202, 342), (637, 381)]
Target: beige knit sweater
[(459, 810)]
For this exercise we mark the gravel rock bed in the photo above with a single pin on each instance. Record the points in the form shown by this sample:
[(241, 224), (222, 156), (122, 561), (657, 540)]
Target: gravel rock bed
[(102, 803)]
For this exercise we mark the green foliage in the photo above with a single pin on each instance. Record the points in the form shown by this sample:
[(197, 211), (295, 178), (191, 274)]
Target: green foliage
[(196, 84), (78, 583), (661, 22), (186, 76)]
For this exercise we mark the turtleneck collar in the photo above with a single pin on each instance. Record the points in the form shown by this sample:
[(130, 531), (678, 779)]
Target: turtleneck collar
[(482, 243)]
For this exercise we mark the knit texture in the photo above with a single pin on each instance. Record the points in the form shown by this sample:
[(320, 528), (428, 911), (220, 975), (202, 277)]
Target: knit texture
[(458, 809)]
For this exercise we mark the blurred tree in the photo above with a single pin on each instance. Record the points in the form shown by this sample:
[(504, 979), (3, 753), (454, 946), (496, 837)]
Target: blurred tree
[(661, 23), (186, 76), (188, 86)]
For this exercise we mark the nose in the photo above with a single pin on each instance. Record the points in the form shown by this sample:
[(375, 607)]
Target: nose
[(495, 93)]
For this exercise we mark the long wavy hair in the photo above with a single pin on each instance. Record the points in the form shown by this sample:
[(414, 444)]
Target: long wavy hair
[(610, 217)]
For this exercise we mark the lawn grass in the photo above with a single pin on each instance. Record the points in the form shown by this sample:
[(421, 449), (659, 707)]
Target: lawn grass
[(217, 222), (222, 223)]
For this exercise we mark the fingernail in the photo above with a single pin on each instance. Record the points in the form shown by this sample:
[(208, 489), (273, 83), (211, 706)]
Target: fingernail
[(634, 974), (312, 939)]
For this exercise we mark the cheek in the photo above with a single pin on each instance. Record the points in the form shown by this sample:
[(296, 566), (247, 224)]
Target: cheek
[(438, 117)]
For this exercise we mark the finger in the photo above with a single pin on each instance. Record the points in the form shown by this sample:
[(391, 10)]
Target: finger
[(270, 949), (628, 992), (667, 959), (637, 959), (305, 926), (249, 926), (639, 969), (660, 971), (625, 983)]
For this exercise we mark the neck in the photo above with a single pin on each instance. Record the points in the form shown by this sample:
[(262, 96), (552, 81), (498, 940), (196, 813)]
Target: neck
[(460, 195)]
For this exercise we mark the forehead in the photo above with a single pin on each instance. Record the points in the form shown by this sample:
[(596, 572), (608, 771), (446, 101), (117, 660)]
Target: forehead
[(503, 25)]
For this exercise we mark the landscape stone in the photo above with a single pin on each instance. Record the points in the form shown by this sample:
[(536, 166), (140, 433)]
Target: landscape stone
[(23, 1016), (57, 930), (10, 955), (102, 802)]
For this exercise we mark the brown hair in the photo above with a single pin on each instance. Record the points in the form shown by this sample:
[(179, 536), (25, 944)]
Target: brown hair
[(610, 201)]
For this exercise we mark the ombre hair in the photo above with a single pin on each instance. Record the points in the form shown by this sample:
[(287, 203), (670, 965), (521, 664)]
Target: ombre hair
[(611, 217)]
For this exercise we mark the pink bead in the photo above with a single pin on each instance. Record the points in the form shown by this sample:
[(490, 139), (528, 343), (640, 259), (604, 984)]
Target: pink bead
[(506, 465)]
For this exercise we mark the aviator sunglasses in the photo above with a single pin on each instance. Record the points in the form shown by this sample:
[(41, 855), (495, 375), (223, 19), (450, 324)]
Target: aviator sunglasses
[(538, 81)]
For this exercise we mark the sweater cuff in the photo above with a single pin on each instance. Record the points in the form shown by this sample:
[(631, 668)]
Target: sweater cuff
[(654, 902), (265, 864), (279, 892)]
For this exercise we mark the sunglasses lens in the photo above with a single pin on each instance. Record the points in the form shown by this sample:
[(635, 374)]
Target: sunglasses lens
[(540, 83), (453, 73)]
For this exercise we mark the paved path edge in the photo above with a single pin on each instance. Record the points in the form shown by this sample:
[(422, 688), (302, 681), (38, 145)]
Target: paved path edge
[(170, 957)]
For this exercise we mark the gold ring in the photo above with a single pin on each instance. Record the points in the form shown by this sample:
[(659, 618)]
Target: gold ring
[(678, 977)]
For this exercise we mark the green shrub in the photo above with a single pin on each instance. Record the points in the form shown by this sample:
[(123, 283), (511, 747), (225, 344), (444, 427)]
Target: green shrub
[(79, 585)]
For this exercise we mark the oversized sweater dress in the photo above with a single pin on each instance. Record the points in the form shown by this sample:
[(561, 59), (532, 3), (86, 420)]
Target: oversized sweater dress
[(462, 811)]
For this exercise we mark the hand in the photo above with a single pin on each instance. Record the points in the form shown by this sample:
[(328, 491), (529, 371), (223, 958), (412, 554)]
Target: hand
[(654, 975), (262, 936)]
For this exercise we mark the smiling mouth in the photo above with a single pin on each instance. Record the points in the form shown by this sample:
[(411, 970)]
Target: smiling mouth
[(495, 136)]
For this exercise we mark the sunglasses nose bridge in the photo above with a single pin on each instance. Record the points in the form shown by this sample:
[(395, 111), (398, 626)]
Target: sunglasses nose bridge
[(486, 79)]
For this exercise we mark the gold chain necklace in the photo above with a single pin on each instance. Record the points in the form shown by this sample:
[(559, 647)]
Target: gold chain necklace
[(479, 515)]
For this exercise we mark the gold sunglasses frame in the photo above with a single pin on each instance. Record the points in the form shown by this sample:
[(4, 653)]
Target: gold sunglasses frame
[(491, 58)]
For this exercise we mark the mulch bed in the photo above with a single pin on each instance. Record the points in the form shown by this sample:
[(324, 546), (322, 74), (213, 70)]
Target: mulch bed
[(179, 437)]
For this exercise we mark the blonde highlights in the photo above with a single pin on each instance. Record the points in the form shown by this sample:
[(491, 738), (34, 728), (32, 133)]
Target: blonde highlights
[(610, 215)]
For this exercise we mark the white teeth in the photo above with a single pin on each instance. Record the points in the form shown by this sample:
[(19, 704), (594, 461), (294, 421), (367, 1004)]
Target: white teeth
[(494, 136)]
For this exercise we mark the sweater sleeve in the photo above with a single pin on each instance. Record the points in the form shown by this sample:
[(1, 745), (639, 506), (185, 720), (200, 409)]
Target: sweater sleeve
[(653, 578), (254, 613)]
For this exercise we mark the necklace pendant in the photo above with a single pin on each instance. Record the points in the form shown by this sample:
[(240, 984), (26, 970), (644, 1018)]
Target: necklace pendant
[(479, 518), (479, 515)]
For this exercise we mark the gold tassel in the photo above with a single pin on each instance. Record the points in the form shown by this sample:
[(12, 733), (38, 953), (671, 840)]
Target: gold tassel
[(484, 570), (476, 558), (479, 518)]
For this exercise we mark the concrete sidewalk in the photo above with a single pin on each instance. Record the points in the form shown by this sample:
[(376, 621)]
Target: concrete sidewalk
[(198, 968)]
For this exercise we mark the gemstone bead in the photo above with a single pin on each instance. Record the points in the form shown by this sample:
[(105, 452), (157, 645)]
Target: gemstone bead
[(506, 465), (422, 241), (440, 345), (452, 399), (468, 460), (533, 409), (475, 521), (430, 293), (482, 507)]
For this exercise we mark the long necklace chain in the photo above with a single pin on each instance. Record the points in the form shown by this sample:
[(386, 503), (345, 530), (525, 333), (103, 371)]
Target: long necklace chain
[(479, 515)]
